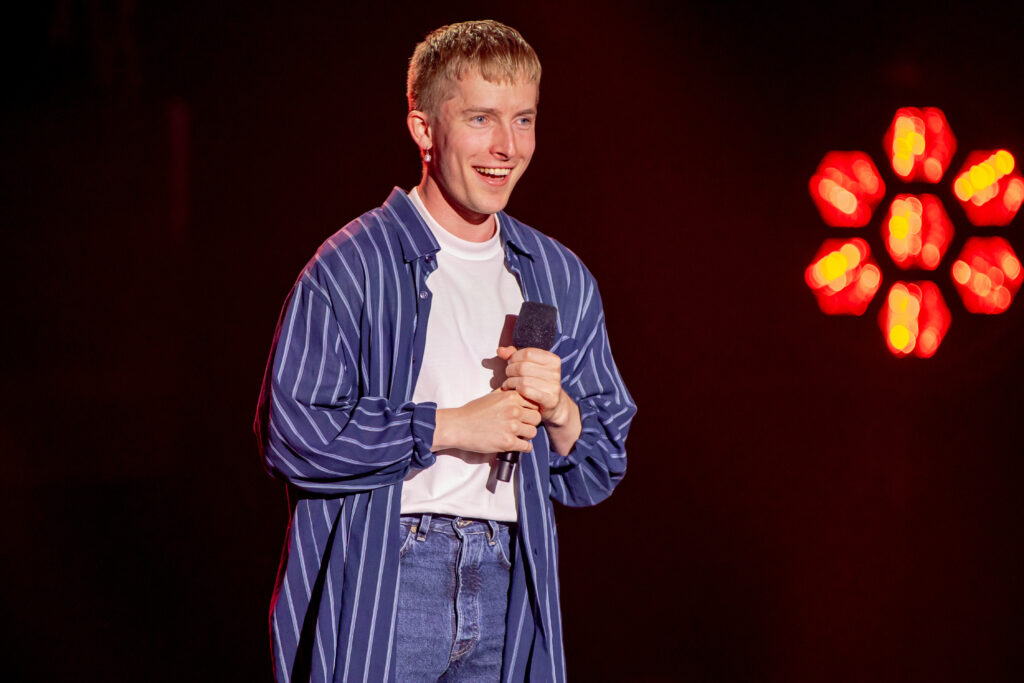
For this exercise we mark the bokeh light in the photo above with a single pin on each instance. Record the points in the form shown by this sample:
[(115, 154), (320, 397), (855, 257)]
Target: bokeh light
[(987, 275), (914, 319), (843, 276), (990, 187), (919, 144), (846, 189), (917, 231)]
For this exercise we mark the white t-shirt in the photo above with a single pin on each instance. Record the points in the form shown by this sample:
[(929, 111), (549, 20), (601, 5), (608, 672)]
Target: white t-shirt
[(474, 294)]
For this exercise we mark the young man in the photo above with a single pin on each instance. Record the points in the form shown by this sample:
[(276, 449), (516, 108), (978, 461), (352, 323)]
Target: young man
[(392, 386)]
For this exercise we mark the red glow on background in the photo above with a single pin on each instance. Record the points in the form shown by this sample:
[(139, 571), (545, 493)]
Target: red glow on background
[(990, 187), (843, 276), (846, 189), (919, 144), (987, 274), (914, 319), (917, 231)]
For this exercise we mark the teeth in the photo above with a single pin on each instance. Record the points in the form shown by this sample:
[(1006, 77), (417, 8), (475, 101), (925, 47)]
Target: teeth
[(493, 172)]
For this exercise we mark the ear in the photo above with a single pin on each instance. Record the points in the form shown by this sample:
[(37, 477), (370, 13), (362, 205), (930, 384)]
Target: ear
[(419, 129)]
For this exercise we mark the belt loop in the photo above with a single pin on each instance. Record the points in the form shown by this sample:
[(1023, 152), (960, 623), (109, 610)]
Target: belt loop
[(424, 526), (492, 533)]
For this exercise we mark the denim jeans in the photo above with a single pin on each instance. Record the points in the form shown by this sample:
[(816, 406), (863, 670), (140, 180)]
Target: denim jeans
[(452, 599)]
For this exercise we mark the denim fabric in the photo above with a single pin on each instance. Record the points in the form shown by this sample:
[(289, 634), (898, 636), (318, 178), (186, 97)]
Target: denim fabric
[(452, 599)]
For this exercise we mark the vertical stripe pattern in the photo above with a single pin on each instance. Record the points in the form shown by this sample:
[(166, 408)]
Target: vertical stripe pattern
[(336, 423)]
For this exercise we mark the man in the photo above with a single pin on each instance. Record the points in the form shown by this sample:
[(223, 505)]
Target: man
[(392, 386)]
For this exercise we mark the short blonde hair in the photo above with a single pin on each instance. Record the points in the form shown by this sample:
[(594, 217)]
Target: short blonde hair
[(498, 51)]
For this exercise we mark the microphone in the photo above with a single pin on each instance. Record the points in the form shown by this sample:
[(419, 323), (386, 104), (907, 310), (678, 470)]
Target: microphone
[(536, 327)]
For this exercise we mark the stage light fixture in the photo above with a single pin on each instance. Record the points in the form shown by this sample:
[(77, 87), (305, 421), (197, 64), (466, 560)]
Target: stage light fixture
[(843, 276), (919, 144), (987, 275), (914, 319), (846, 189), (917, 231), (989, 187)]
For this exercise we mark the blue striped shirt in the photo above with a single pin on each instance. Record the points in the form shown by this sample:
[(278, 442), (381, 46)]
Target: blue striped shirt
[(335, 421)]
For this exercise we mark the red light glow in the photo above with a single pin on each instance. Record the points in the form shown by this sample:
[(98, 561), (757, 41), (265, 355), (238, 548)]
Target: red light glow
[(915, 319), (917, 231), (843, 276), (919, 144), (846, 189), (987, 275), (990, 187)]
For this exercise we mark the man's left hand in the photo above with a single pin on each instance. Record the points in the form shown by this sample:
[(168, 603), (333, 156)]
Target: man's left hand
[(537, 375)]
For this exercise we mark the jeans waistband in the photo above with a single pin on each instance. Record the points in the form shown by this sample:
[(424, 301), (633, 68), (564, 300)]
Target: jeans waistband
[(447, 524)]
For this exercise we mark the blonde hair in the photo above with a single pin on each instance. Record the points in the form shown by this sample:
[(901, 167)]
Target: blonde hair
[(446, 54)]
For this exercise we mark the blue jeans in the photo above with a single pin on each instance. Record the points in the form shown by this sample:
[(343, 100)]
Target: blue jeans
[(452, 599)]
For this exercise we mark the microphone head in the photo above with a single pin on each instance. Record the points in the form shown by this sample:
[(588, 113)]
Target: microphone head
[(536, 326)]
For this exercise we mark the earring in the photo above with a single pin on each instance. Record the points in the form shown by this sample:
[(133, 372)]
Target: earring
[(426, 157)]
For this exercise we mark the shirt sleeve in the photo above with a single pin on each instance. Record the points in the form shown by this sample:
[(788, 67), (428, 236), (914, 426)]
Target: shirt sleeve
[(315, 429), (597, 462)]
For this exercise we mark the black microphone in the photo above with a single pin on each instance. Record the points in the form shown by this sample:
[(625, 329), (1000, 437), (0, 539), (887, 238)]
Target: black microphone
[(536, 327)]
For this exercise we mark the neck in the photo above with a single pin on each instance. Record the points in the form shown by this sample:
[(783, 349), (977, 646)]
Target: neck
[(456, 219)]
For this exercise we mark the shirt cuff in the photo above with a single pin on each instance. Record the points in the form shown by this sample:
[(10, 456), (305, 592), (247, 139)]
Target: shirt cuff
[(424, 420)]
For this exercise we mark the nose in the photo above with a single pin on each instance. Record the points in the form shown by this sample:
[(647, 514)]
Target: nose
[(503, 142)]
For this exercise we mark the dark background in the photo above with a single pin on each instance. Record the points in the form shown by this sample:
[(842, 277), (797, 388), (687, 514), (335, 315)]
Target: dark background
[(800, 505)]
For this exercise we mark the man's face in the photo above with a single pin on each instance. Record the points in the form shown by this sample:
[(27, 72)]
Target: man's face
[(483, 139)]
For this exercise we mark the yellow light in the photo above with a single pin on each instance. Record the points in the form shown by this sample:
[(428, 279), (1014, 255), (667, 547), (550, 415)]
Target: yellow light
[(1014, 195), (963, 188), (833, 266), (870, 276), (982, 175), (852, 255), (981, 284), (899, 337), (898, 298), (929, 342), (899, 227), (1011, 266), (1002, 297), (1004, 162)]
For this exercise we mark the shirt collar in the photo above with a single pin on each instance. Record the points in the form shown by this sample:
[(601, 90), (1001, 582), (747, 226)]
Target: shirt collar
[(417, 239)]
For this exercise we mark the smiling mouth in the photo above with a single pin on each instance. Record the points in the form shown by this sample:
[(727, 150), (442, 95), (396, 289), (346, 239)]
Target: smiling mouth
[(497, 173)]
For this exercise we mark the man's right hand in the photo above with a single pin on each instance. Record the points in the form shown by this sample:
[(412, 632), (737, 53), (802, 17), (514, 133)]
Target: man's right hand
[(498, 422)]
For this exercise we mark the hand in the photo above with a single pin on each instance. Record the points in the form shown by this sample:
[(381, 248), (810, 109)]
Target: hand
[(498, 422), (536, 375)]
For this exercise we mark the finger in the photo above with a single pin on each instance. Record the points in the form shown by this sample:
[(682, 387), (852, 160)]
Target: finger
[(529, 369), (506, 352), (527, 431)]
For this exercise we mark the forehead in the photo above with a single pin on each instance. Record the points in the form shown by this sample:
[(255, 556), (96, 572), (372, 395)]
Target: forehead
[(473, 90)]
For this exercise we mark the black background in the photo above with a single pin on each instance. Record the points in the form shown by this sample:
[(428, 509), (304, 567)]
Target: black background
[(800, 505)]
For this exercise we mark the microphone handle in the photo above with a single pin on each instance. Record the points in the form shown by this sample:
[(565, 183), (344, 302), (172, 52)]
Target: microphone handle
[(506, 461)]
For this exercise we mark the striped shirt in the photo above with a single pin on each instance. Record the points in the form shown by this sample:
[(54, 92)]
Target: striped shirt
[(335, 421)]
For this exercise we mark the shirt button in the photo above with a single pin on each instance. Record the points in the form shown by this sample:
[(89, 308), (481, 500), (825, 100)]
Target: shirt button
[(429, 258), (423, 294)]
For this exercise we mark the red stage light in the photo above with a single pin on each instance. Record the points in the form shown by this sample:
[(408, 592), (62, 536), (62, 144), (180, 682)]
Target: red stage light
[(846, 189), (990, 187), (917, 231), (987, 274), (919, 144), (843, 276), (915, 319)]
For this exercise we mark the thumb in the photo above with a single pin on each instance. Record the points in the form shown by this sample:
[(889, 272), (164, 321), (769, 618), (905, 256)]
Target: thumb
[(505, 352)]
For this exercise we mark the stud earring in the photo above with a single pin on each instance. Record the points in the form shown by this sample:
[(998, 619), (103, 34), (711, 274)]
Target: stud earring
[(426, 157)]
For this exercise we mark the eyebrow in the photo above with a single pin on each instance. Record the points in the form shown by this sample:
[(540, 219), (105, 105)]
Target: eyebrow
[(494, 112)]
